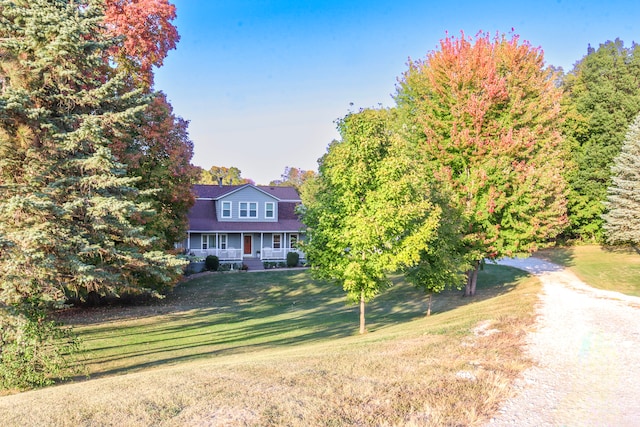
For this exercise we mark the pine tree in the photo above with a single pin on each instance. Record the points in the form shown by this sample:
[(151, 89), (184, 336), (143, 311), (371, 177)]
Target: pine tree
[(68, 212), (622, 222), (602, 98)]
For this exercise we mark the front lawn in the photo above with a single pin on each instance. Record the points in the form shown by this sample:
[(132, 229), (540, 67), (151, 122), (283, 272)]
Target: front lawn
[(610, 268), (279, 348)]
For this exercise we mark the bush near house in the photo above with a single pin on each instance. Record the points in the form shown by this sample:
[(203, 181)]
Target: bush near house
[(212, 263), (292, 259)]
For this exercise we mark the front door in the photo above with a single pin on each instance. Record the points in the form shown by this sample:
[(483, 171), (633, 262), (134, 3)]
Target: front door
[(248, 240)]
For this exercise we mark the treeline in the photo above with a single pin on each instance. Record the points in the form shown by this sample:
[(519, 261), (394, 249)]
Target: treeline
[(488, 153), (93, 167)]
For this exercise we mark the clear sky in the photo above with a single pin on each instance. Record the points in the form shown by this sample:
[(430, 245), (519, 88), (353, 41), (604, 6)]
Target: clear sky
[(263, 81)]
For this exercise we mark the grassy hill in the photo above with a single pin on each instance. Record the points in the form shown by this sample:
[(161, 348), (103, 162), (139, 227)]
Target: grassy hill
[(279, 348)]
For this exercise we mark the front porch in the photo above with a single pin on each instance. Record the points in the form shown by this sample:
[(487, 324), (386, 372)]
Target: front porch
[(231, 247)]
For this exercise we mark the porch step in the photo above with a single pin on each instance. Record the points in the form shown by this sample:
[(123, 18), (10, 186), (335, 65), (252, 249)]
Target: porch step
[(253, 263)]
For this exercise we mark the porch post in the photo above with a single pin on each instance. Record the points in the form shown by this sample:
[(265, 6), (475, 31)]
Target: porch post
[(241, 246), (261, 244), (217, 245)]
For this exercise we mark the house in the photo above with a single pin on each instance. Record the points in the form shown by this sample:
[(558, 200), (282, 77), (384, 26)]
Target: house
[(235, 222)]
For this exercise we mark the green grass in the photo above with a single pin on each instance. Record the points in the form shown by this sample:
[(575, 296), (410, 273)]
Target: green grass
[(610, 268), (278, 348)]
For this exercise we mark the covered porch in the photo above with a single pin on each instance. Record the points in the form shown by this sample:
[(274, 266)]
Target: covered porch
[(239, 246)]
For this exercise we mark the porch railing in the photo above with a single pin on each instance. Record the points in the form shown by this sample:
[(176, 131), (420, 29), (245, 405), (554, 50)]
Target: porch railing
[(236, 254), (279, 254), (223, 254)]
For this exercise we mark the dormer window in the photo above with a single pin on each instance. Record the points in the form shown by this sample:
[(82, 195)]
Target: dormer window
[(269, 210), (248, 209), (226, 210)]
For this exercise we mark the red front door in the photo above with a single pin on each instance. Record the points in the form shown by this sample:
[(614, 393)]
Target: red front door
[(247, 245)]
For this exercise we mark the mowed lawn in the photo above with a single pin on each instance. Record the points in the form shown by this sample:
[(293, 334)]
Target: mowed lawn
[(610, 268), (279, 348)]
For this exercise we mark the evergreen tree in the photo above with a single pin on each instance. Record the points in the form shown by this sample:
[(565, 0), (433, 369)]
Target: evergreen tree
[(602, 98), (68, 212), (622, 222)]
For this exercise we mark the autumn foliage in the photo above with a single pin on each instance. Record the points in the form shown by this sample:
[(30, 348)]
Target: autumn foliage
[(148, 34), (485, 114)]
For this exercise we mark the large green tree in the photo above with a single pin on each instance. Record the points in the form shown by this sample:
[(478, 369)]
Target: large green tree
[(368, 216), (602, 99), (69, 215), (484, 114), (622, 221)]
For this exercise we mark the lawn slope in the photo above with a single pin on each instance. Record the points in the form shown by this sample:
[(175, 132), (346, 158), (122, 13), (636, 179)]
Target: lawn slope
[(278, 348)]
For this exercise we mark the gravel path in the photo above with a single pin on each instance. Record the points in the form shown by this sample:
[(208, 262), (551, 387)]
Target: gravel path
[(587, 352)]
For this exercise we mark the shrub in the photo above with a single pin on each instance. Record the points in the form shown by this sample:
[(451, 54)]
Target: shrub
[(212, 263), (292, 259), (34, 351)]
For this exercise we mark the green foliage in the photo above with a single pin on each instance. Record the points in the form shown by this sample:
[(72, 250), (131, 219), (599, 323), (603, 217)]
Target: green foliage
[(369, 215), (71, 220), (294, 177), (293, 258), (34, 351), (483, 115), (622, 222), (602, 99), (229, 176), (212, 263)]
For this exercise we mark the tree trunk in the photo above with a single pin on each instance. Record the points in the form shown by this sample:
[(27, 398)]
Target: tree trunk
[(472, 279), (429, 306), (362, 324)]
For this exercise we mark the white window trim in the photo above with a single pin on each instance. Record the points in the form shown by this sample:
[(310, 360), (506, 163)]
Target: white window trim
[(273, 210), (255, 205), (273, 241), (248, 209), (222, 215), (223, 241), (205, 239)]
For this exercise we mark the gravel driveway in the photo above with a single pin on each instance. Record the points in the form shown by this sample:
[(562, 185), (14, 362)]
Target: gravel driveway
[(587, 352)]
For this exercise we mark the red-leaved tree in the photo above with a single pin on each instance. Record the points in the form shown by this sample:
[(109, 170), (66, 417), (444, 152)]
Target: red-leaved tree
[(148, 34), (485, 114)]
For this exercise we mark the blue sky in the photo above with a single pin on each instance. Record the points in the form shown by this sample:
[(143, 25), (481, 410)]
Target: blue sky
[(263, 81)]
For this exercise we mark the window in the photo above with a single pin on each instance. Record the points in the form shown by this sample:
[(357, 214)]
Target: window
[(277, 241), (269, 211), (208, 241), (226, 209), (223, 241), (293, 240), (248, 209)]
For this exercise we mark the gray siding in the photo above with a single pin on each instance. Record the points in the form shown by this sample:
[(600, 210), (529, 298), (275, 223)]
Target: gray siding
[(248, 194)]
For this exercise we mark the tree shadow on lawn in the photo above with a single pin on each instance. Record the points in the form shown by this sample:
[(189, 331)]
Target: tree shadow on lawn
[(403, 303), (246, 317), (559, 255)]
